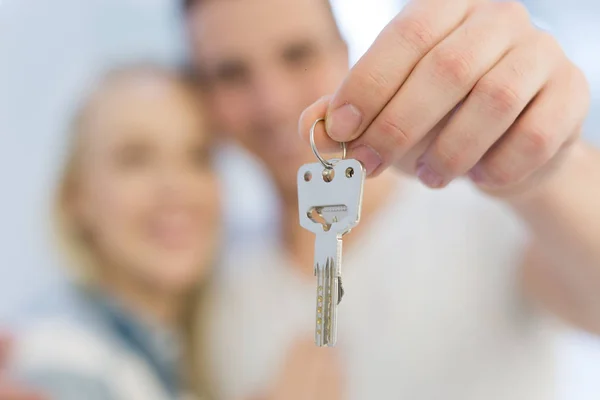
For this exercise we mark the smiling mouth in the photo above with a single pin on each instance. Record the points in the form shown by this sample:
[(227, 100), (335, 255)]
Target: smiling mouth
[(173, 232)]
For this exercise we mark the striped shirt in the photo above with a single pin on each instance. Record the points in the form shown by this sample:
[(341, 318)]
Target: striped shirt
[(93, 349)]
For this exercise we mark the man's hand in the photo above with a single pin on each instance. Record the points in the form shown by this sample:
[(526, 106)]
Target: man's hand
[(308, 373), (454, 88), (9, 390)]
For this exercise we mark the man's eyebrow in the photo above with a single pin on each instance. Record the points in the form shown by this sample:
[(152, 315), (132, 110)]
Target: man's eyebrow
[(299, 46)]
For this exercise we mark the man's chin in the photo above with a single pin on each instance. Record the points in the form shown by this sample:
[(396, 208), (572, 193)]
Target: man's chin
[(289, 163), (283, 168), (285, 179)]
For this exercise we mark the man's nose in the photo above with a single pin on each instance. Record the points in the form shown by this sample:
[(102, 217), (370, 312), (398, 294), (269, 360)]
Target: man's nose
[(275, 96)]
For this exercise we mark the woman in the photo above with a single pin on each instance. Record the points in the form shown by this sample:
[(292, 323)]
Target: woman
[(137, 211), (138, 215)]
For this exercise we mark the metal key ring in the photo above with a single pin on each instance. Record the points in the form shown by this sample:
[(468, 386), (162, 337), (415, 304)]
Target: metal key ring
[(313, 146)]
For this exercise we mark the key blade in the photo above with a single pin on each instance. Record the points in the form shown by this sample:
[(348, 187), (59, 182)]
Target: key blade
[(328, 250), (327, 302)]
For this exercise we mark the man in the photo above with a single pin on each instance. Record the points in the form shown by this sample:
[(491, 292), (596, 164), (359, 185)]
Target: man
[(441, 286)]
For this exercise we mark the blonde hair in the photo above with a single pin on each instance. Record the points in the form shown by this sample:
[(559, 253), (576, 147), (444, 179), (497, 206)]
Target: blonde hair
[(73, 242)]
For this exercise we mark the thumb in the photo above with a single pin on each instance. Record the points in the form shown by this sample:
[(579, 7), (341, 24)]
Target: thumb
[(315, 111)]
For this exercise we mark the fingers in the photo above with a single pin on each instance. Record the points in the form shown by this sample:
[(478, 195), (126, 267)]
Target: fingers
[(383, 69), (443, 78), (551, 122), (325, 144), (453, 83), (491, 108)]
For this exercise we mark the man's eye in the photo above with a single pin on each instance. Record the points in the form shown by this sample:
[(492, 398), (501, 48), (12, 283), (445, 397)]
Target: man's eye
[(201, 157), (232, 73), (299, 55)]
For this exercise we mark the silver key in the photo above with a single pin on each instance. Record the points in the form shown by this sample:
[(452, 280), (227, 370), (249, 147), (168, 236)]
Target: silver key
[(329, 202)]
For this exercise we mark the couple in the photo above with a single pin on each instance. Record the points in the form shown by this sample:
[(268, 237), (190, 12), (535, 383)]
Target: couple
[(448, 292)]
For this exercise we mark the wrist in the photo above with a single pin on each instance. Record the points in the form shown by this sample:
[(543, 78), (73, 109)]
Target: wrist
[(556, 180)]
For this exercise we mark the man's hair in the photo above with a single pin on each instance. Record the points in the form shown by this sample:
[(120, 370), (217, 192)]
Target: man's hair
[(189, 4)]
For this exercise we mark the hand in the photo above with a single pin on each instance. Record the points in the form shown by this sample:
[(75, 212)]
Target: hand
[(308, 373), (9, 390), (454, 88)]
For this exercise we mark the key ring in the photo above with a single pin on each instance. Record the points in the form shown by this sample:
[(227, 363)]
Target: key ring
[(313, 146)]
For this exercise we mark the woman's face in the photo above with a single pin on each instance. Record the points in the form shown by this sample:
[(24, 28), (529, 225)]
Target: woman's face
[(145, 194)]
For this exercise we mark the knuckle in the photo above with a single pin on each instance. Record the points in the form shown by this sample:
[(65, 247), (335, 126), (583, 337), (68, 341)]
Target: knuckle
[(547, 42), (414, 33), (574, 89), (501, 98), (537, 143), (396, 136), (376, 79), (369, 82), (453, 66), (512, 10), (548, 48), (579, 81)]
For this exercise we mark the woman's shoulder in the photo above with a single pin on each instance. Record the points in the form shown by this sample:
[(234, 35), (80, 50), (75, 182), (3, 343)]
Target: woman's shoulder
[(68, 333), (65, 355), (64, 343)]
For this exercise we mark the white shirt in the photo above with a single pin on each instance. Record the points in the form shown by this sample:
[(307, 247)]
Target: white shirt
[(432, 308)]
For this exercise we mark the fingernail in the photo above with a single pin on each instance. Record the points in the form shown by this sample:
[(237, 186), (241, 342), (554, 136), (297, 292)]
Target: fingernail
[(369, 158), (343, 123), (476, 174), (429, 177)]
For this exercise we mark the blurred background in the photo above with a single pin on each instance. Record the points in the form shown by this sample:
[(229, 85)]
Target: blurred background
[(49, 50)]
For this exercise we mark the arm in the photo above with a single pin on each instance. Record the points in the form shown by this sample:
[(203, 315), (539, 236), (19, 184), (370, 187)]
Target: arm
[(475, 90), (562, 269)]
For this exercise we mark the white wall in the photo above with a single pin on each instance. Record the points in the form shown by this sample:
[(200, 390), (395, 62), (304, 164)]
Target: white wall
[(48, 51)]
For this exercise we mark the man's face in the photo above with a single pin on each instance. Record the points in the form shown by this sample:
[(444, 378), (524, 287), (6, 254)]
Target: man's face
[(264, 61)]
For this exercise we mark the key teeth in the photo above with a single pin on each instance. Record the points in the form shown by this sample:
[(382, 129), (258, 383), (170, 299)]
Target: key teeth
[(328, 297)]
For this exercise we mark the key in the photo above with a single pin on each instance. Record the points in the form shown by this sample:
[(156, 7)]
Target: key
[(329, 201)]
